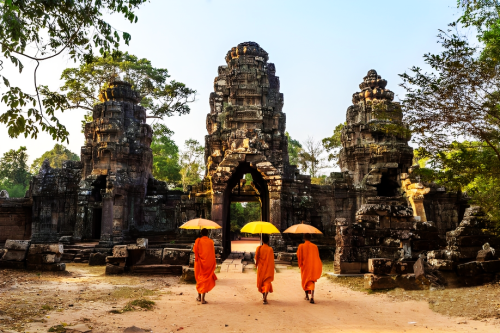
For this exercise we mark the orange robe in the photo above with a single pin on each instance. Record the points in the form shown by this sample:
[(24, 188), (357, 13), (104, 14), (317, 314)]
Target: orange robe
[(204, 264), (264, 261), (310, 264)]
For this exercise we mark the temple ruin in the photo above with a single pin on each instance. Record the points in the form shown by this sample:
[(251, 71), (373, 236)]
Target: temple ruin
[(372, 208)]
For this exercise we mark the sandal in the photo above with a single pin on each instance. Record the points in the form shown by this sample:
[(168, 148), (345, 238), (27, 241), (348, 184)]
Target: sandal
[(312, 301)]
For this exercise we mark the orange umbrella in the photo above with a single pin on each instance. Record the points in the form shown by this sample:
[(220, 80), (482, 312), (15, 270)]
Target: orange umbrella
[(302, 229), (200, 223)]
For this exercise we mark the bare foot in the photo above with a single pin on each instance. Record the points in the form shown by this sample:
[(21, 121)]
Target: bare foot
[(312, 301), (307, 298), (265, 302), (204, 302), (198, 299)]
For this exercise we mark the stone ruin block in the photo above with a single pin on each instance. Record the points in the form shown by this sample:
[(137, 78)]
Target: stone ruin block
[(152, 257), (68, 240), (380, 266), (485, 255), (188, 275), (375, 282), (142, 243), (45, 257), (115, 265), (176, 256), (54, 248), (470, 269), (492, 266), (97, 259), (17, 245), (442, 264), (401, 267), (11, 255), (408, 282), (120, 251)]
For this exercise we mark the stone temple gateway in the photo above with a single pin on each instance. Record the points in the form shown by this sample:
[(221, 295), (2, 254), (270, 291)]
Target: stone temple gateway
[(111, 195)]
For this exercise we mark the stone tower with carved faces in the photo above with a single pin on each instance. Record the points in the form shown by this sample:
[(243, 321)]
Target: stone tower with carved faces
[(375, 142)]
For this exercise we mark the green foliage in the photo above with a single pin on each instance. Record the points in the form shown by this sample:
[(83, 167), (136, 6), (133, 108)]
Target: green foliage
[(14, 174), (192, 164), (241, 214), (166, 165), (39, 30), (333, 144), (161, 98), (294, 148), (484, 15), (321, 180), (56, 156)]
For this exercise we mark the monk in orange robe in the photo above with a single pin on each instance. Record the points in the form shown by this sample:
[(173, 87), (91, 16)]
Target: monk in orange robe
[(204, 265), (310, 265), (264, 261)]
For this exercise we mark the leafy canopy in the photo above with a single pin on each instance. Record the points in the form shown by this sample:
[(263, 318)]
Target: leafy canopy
[(14, 174), (38, 30), (294, 148), (56, 157), (333, 144), (166, 165), (160, 97), (192, 163)]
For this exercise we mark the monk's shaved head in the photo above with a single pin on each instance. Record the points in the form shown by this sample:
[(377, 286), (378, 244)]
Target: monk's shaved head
[(307, 237), (204, 232), (265, 238)]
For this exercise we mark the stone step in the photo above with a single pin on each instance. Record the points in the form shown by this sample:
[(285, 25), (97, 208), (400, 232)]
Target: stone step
[(157, 269)]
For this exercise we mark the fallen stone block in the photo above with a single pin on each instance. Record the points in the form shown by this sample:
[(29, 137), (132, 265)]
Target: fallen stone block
[(112, 269), (375, 282), (46, 248), (152, 257), (66, 240), (97, 259), (12, 264), (67, 257), (157, 269), (13, 255), (142, 243), (347, 267), (470, 269), (380, 266), (116, 261), (419, 268), (17, 245), (59, 267), (120, 251), (175, 256), (188, 274), (485, 255), (442, 264), (492, 266), (401, 267), (408, 282)]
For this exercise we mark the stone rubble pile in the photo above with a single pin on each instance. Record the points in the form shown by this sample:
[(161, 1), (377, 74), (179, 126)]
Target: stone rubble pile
[(45, 257), (15, 253)]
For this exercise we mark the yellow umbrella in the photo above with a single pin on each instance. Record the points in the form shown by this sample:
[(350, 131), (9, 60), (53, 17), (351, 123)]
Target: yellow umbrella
[(200, 223), (260, 227), (302, 228)]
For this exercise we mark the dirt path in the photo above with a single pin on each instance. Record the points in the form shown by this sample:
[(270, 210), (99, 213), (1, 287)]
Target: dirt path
[(235, 306)]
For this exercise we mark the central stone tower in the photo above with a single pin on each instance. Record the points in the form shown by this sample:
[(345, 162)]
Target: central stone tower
[(246, 132)]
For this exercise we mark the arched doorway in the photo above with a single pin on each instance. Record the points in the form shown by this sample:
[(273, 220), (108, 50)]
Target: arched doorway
[(233, 193)]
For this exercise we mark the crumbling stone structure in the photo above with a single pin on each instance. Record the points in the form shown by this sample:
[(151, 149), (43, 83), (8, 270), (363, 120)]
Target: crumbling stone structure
[(111, 195)]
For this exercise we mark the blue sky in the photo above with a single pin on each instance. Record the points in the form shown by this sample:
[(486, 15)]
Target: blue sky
[(321, 49)]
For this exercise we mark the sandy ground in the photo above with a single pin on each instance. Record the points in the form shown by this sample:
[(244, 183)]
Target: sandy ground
[(235, 306), (245, 245)]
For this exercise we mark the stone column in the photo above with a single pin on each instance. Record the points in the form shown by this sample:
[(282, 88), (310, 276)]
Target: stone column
[(107, 221)]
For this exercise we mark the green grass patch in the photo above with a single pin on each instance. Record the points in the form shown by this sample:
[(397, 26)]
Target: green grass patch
[(47, 307), (58, 328), (128, 292)]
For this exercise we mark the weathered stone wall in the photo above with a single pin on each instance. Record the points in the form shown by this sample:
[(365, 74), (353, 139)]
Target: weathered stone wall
[(15, 219)]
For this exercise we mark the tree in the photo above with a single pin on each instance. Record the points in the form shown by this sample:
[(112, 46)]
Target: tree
[(191, 161), (39, 30), (14, 174), (294, 148), (310, 157), (84, 85), (242, 213), (458, 100), (166, 165), (333, 144), (56, 156)]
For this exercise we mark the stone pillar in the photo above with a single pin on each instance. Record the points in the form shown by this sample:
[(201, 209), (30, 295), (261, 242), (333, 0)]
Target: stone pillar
[(107, 221)]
